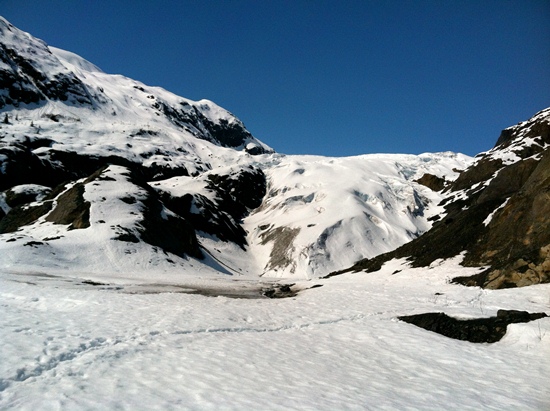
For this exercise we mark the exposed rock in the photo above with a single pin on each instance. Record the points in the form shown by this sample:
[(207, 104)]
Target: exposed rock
[(255, 149), (24, 79), (227, 134), (283, 244), (236, 195), (536, 127), (53, 167), (280, 291), (171, 233), (71, 209), (125, 234), (77, 165), (431, 181), (33, 244), (240, 192), (23, 215), (25, 194), (21, 166), (206, 216), (482, 171), (478, 330), (517, 240)]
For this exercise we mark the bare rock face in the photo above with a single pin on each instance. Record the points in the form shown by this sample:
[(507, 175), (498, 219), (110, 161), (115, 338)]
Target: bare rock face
[(235, 195), (71, 209), (477, 330), (282, 239), (497, 211), (23, 215), (517, 242), (517, 239), (25, 194), (434, 183), (172, 234)]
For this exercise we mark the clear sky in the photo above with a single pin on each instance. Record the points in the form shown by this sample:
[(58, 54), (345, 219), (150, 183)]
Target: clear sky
[(334, 78)]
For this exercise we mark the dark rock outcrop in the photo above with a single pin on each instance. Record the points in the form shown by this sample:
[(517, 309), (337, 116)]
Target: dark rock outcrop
[(21, 166), (239, 192), (23, 215), (172, 234), (283, 242), (53, 167), (431, 181), (224, 133), (478, 330), (236, 195), (71, 209), (16, 198)]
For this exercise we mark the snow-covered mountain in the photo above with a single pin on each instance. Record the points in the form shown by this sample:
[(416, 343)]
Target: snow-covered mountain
[(103, 174), (62, 87)]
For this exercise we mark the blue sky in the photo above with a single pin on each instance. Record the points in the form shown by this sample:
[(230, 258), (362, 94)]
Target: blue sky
[(334, 78)]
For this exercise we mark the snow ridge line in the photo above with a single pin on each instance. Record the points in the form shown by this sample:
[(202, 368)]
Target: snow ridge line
[(268, 330)]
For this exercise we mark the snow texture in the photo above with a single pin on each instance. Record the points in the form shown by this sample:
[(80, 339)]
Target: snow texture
[(72, 345)]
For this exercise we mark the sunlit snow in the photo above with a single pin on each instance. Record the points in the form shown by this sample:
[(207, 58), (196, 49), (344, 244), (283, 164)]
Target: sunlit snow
[(69, 345)]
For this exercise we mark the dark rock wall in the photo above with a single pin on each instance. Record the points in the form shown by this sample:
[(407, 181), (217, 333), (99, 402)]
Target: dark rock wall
[(517, 242), (235, 196), (23, 215)]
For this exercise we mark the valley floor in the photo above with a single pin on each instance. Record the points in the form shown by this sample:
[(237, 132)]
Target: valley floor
[(73, 345)]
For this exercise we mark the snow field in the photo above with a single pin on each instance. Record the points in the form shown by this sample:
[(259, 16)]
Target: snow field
[(335, 347)]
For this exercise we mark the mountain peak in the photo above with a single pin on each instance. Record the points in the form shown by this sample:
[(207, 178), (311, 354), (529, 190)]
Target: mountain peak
[(73, 61), (31, 72)]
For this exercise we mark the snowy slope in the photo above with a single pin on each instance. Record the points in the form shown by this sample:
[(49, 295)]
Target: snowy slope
[(370, 205), (68, 345), (496, 214)]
